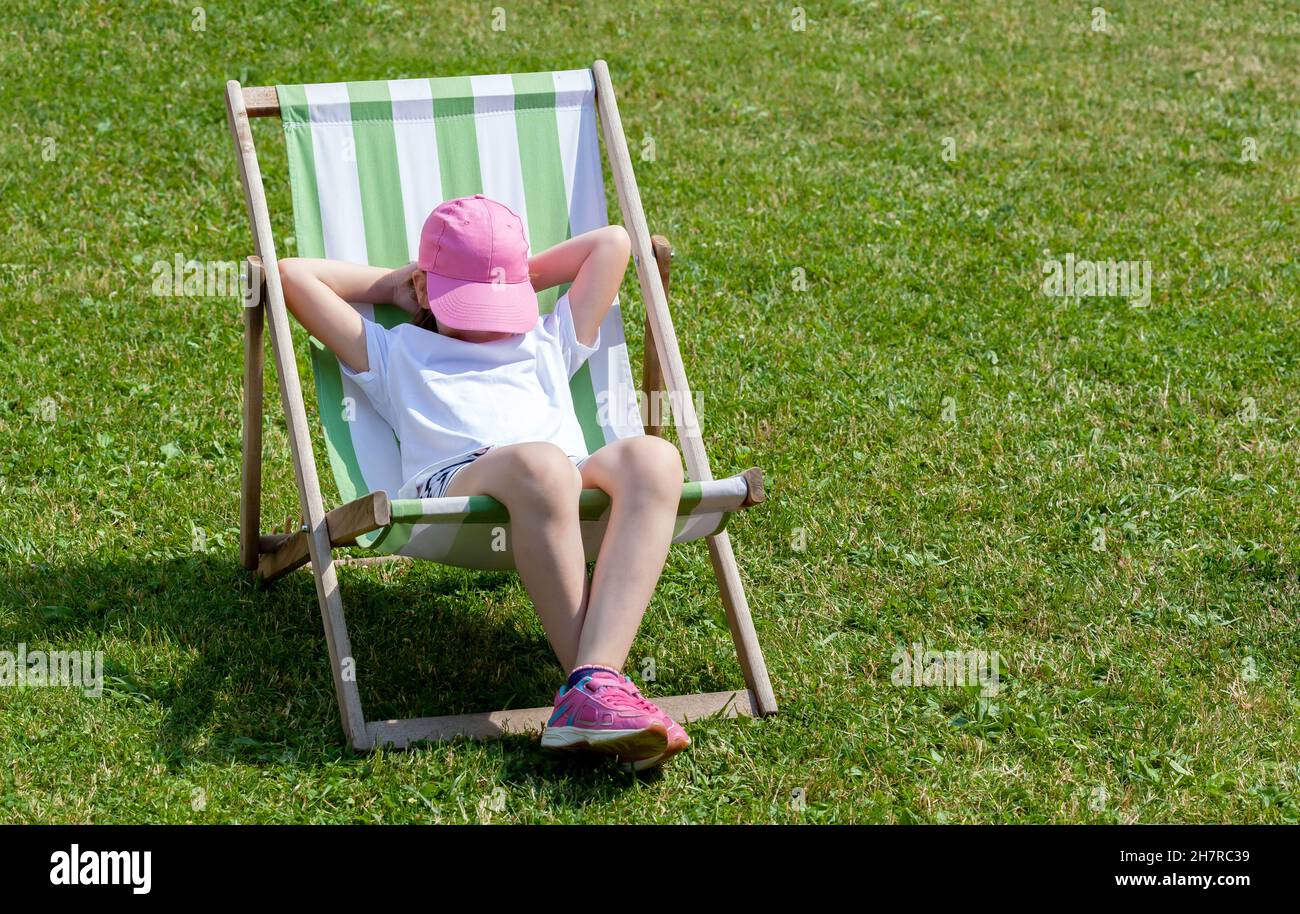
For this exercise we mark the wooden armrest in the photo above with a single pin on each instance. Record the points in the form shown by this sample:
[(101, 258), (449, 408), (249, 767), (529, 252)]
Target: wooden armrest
[(345, 524), (254, 281)]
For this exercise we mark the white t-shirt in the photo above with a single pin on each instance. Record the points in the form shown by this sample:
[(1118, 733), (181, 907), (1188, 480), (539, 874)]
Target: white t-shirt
[(445, 397)]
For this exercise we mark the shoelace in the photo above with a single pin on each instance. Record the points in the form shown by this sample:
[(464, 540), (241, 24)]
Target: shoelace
[(628, 696)]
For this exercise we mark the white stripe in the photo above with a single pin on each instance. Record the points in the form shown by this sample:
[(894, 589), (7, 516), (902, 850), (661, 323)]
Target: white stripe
[(697, 526), (576, 86), (335, 151), (611, 376), (498, 143), (573, 87), (417, 154), (611, 371), (378, 455), (344, 231)]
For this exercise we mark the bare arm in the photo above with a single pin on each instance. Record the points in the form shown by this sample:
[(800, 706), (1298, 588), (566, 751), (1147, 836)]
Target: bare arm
[(318, 291), (594, 262)]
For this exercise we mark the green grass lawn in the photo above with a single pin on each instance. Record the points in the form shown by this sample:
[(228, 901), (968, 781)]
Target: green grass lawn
[(943, 440)]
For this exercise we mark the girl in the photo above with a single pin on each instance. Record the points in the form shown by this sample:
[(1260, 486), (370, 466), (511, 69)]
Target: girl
[(476, 388)]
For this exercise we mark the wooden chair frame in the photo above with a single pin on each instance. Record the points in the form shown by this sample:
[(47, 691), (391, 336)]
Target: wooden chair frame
[(321, 532)]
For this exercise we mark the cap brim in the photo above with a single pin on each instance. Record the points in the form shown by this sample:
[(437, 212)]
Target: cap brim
[(498, 307)]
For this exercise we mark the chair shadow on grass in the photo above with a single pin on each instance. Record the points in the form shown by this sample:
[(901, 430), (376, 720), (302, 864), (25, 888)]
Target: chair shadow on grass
[(255, 685)]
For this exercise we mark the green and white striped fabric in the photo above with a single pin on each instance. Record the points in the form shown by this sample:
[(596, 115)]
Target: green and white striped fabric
[(368, 161)]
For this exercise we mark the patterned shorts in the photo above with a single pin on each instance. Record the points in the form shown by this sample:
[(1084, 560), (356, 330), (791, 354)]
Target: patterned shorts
[(433, 481)]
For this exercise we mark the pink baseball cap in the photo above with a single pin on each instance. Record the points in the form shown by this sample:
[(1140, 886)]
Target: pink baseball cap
[(475, 256)]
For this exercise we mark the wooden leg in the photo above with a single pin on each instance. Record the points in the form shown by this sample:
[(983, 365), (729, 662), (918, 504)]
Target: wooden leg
[(342, 664), (690, 434), (250, 493), (742, 625), (652, 376), (724, 560)]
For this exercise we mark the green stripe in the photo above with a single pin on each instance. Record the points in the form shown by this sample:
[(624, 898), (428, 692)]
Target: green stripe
[(453, 113), (380, 182), (369, 102), (338, 431), (548, 214), (302, 171), (378, 174), (692, 492), (310, 235), (543, 170), (584, 407)]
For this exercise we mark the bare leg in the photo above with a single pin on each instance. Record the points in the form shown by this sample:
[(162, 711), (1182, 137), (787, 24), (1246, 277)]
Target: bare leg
[(643, 477), (539, 485)]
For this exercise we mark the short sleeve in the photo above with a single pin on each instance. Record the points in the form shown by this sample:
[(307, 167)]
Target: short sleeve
[(575, 353), (374, 381)]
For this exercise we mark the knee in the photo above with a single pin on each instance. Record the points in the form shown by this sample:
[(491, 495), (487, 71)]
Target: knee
[(542, 477), (651, 467)]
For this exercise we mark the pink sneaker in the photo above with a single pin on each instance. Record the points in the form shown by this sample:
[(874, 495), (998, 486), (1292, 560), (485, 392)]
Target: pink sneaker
[(604, 712), (677, 741)]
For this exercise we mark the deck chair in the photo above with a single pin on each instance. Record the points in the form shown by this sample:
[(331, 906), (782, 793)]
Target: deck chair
[(367, 162)]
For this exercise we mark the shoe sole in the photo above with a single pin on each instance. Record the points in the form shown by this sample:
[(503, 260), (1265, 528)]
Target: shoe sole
[(646, 764), (647, 741)]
